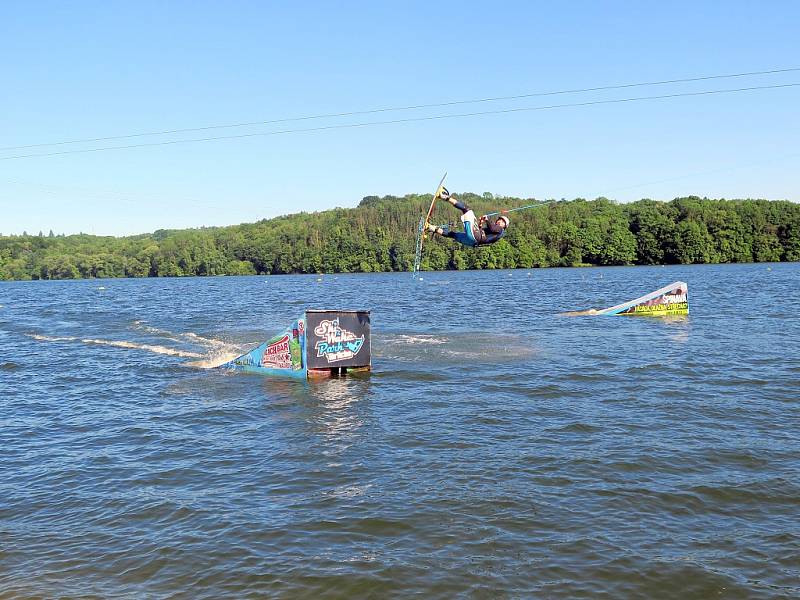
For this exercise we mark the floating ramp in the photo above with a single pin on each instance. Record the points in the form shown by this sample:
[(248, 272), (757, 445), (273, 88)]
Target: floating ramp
[(319, 343), (672, 299)]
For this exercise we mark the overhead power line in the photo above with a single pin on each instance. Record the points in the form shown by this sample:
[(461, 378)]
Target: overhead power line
[(406, 108), (406, 120)]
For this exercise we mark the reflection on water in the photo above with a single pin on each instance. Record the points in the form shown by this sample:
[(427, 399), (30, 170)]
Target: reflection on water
[(342, 402), (332, 406), (679, 327)]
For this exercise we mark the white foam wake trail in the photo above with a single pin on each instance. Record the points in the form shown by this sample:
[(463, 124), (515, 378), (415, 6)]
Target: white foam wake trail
[(121, 344), (156, 331), (215, 359), (206, 341), (46, 338), (181, 336), (219, 353), (420, 339), (147, 347)]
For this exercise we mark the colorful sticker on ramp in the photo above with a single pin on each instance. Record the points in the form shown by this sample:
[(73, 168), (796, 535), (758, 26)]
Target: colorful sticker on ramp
[(282, 353), (277, 355)]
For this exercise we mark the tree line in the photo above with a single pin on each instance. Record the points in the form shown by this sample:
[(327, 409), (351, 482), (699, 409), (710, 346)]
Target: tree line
[(380, 233)]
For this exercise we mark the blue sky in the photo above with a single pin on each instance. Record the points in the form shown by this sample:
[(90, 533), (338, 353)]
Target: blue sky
[(94, 69)]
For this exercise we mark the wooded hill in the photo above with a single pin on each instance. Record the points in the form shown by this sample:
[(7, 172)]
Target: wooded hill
[(379, 235)]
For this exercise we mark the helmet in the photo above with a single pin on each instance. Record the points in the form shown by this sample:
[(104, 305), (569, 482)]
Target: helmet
[(505, 220)]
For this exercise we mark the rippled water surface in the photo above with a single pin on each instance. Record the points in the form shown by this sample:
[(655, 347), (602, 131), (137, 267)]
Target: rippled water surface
[(498, 449)]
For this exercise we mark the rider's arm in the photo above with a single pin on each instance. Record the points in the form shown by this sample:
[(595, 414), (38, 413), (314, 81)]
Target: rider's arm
[(491, 238)]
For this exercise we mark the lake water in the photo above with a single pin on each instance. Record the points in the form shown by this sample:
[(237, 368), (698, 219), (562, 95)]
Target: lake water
[(498, 449)]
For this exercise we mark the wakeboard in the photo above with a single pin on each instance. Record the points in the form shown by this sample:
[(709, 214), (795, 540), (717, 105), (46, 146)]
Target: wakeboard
[(422, 228)]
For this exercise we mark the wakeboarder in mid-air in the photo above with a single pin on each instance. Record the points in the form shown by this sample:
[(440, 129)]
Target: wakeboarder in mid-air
[(478, 231)]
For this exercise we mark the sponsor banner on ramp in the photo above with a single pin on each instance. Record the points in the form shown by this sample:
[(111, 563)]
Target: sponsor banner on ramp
[(338, 339)]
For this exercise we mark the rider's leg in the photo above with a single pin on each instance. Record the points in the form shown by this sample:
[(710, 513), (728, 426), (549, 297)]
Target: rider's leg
[(445, 195)]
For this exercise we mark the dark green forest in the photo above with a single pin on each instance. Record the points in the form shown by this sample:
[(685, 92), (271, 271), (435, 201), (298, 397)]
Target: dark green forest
[(379, 235)]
